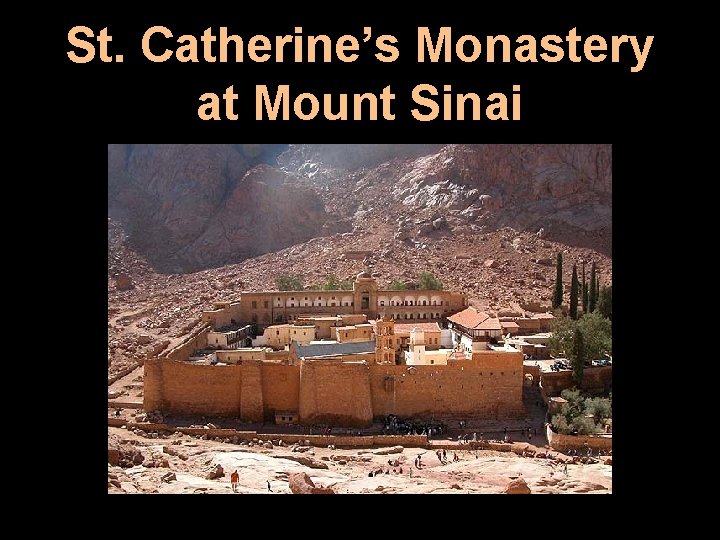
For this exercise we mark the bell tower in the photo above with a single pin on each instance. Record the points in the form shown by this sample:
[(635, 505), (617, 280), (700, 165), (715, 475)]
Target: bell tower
[(384, 350)]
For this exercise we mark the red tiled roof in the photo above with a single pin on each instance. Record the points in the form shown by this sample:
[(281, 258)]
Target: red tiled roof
[(471, 318), (509, 324)]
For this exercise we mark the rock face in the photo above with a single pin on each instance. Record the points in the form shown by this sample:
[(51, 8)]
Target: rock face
[(517, 487), (302, 484), (188, 206)]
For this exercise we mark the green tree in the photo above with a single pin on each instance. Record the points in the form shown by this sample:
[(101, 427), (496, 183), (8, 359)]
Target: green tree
[(604, 306), (558, 293), (428, 281), (332, 283), (346, 285), (578, 356), (574, 286), (600, 408), (289, 282), (593, 290), (561, 339), (584, 290), (396, 285), (584, 425), (597, 334), (581, 415), (596, 331)]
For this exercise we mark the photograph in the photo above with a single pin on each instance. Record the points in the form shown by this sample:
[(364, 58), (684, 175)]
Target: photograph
[(360, 318)]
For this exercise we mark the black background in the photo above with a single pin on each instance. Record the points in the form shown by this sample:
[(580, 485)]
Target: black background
[(89, 105), (592, 101)]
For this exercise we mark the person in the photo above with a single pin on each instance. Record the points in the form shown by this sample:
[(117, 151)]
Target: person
[(455, 457), (566, 473), (234, 480), (444, 455), (529, 435), (268, 484)]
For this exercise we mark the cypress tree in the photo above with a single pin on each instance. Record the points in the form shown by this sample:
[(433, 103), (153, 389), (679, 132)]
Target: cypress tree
[(604, 306), (574, 286), (558, 294), (593, 290), (584, 290), (578, 356)]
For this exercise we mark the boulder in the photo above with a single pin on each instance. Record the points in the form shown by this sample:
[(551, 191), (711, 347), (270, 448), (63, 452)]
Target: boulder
[(490, 263), (302, 484), (168, 477), (268, 445), (123, 282), (215, 473), (138, 458), (113, 456), (517, 487)]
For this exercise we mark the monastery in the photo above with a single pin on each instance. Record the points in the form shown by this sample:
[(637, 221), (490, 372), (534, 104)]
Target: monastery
[(343, 358)]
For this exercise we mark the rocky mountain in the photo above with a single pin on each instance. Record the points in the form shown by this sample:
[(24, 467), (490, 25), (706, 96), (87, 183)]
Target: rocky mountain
[(189, 207)]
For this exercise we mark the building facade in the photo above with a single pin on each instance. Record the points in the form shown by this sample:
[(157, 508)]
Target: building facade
[(272, 307)]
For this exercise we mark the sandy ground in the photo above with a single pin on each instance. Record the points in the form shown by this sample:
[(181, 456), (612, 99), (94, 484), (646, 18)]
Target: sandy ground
[(347, 469)]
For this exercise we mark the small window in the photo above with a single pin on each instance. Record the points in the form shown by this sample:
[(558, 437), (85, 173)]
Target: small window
[(277, 332), (333, 298), (432, 361), (278, 298), (382, 302), (306, 299), (319, 298)]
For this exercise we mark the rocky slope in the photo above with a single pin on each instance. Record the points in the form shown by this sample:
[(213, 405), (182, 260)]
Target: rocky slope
[(188, 207)]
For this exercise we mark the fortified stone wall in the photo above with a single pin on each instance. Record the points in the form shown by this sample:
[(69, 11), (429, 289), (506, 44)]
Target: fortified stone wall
[(185, 349), (562, 443), (184, 388), (488, 386), (595, 380), (336, 393), (280, 388), (348, 393)]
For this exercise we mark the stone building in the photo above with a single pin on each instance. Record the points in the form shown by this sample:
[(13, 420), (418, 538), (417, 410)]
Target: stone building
[(269, 307)]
